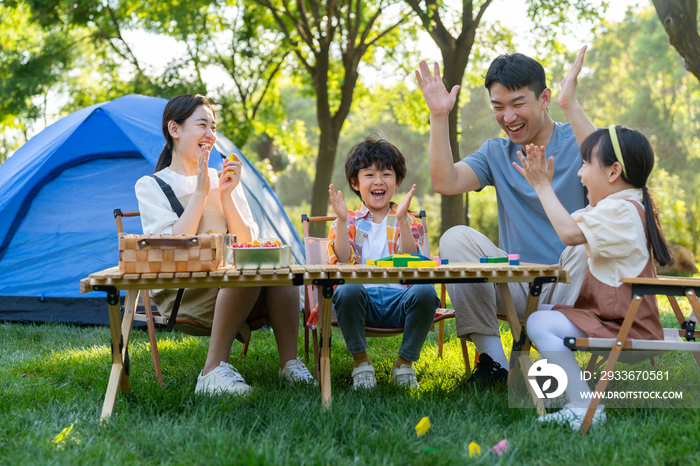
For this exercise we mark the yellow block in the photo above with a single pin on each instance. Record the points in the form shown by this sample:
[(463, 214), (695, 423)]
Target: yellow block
[(385, 263), (423, 426), (371, 262)]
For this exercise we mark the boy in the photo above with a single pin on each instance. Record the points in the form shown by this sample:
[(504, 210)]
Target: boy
[(374, 169)]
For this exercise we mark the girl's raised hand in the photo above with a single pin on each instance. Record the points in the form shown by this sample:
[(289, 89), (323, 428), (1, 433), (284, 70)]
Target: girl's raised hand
[(537, 170), (339, 206), (203, 171), (230, 175), (402, 208)]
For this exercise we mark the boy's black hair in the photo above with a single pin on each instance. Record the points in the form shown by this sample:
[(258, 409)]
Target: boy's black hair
[(638, 156), (515, 72), (374, 150)]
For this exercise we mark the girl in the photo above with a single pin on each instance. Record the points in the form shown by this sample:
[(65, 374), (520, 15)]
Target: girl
[(620, 229), (209, 203)]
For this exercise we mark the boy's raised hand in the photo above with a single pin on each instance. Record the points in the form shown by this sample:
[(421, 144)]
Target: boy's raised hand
[(402, 208), (339, 206), (537, 170), (437, 98), (567, 95)]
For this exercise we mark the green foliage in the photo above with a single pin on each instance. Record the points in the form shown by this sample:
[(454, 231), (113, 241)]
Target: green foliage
[(673, 212)]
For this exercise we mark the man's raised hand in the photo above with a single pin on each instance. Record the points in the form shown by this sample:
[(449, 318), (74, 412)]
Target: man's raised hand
[(339, 206), (437, 98), (567, 95)]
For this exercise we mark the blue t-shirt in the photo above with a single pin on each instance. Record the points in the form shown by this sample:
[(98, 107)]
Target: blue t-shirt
[(523, 226)]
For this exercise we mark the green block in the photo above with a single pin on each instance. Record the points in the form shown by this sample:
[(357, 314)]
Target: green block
[(403, 261), (492, 260)]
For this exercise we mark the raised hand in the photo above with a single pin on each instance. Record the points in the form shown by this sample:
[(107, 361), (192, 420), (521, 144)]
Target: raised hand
[(231, 174), (202, 185), (402, 208), (339, 206), (567, 95), (437, 98), (537, 170)]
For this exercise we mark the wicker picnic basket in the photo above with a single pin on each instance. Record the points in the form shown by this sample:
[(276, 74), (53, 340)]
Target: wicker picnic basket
[(169, 253)]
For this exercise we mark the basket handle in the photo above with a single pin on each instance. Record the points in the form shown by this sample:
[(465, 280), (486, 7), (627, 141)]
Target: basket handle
[(168, 242)]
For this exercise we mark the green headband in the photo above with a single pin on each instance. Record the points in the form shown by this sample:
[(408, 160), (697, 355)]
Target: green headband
[(616, 148)]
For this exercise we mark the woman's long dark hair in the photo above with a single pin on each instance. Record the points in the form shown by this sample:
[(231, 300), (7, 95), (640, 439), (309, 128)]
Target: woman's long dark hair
[(178, 109), (638, 156)]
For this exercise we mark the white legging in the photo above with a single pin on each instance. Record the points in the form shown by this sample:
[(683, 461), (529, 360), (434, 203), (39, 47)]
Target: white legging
[(547, 329)]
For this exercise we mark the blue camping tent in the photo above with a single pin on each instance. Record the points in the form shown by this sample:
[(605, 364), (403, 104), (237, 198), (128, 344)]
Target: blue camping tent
[(57, 195)]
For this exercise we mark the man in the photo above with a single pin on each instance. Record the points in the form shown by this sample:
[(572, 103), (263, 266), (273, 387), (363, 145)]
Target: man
[(519, 98)]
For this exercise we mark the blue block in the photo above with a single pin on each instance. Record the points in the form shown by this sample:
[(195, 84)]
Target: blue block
[(484, 260), (514, 262)]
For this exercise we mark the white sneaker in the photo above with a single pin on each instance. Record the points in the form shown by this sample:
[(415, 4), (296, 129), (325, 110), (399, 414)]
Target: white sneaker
[(223, 379), (573, 417), (404, 376), (295, 371), (363, 376)]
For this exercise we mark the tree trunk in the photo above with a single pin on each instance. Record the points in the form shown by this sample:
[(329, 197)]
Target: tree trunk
[(679, 18), (452, 209), (324, 171)]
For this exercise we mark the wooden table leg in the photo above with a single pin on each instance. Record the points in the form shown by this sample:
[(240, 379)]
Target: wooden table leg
[(120, 330), (520, 356), (117, 365), (514, 323), (326, 300)]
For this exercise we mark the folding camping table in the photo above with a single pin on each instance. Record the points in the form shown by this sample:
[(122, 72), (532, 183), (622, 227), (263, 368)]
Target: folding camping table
[(325, 277)]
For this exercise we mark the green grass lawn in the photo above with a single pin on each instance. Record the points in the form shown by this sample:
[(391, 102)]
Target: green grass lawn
[(55, 375)]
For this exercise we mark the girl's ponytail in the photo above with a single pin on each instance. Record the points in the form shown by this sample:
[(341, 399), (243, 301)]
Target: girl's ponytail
[(165, 158), (656, 236)]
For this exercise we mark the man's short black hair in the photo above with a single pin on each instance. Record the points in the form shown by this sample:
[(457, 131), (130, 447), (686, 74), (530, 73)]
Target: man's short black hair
[(374, 150), (515, 72)]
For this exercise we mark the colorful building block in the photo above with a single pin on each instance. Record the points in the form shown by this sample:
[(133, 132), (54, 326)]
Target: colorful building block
[(484, 260), (514, 259), (423, 426), (493, 260)]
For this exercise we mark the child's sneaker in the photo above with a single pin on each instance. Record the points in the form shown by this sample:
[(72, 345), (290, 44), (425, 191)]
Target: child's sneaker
[(295, 371), (573, 417), (223, 379), (363, 376), (404, 376)]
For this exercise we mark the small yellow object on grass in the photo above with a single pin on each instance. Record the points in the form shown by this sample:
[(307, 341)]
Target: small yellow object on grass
[(423, 426), (474, 449), (60, 439)]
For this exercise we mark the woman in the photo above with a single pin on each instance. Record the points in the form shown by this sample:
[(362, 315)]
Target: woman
[(214, 204)]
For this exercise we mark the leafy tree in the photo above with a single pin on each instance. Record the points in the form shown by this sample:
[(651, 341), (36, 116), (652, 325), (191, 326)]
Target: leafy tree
[(680, 19), (32, 61), (329, 40)]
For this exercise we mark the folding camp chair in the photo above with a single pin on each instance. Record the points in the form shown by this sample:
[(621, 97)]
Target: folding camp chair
[(152, 317), (316, 253), (669, 286)]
